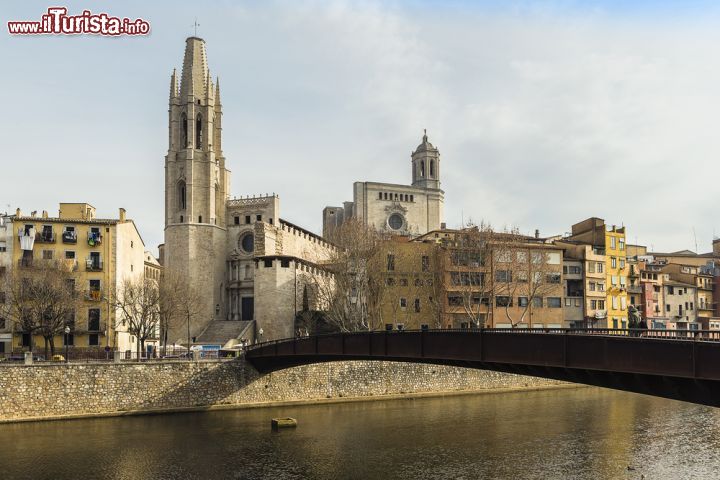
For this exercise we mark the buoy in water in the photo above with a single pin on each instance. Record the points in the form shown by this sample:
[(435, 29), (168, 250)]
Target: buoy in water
[(285, 422)]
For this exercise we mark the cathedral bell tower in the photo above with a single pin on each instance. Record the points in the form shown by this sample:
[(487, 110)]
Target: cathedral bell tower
[(196, 183), (426, 165)]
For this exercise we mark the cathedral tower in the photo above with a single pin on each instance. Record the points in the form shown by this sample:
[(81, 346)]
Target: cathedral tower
[(196, 184), (426, 165)]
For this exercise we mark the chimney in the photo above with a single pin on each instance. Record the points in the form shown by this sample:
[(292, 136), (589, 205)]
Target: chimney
[(122, 214), (33, 213), (18, 213), (44, 214), (537, 233), (443, 226)]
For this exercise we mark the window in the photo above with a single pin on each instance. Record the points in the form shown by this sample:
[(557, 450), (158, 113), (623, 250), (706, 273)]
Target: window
[(403, 303), (622, 263), (593, 304), (591, 267), (2, 300), (623, 303), (568, 302), (236, 220), (247, 219), (522, 276), (537, 302), (504, 276), (247, 242), (613, 262), (93, 340), (522, 301), (94, 320), (396, 221), (258, 218), (601, 304), (390, 281), (425, 263), (198, 132), (69, 255), (432, 169), (284, 263), (622, 244), (182, 195), (403, 282), (554, 302), (522, 257), (379, 195), (3, 324), (268, 263), (591, 286), (601, 286), (455, 300), (537, 258), (390, 262), (612, 242), (600, 267), (419, 282), (614, 279), (47, 254), (553, 278), (199, 218), (670, 291), (181, 219), (615, 303), (503, 301), (183, 120), (417, 304)]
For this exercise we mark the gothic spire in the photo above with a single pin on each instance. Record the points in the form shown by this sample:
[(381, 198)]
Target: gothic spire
[(195, 69), (173, 85)]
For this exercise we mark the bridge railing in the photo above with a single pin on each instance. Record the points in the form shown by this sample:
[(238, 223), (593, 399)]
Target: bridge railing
[(662, 334)]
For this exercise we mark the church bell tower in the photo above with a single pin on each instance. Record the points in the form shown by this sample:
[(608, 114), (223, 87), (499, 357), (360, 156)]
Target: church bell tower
[(196, 183), (426, 165)]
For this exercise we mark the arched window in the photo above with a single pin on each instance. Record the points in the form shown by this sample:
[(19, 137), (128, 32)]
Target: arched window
[(183, 120), (422, 169), (198, 132), (432, 168), (182, 195)]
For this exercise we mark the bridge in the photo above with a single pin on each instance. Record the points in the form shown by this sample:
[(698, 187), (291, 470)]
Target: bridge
[(680, 365)]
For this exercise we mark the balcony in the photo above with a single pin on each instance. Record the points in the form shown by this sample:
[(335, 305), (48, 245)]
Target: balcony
[(94, 238), (93, 265), (45, 236), (69, 237), (94, 295), (634, 289)]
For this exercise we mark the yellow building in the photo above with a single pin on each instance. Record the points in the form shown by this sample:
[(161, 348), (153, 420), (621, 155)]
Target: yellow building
[(101, 253), (607, 241)]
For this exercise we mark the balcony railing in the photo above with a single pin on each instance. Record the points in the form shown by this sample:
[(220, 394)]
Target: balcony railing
[(69, 237), (94, 238), (94, 295), (93, 265), (45, 236)]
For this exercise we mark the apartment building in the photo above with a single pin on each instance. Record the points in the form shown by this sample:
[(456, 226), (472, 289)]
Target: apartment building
[(608, 241), (100, 253)]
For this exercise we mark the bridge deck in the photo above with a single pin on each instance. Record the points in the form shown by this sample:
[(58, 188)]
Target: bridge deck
[(680, 365)]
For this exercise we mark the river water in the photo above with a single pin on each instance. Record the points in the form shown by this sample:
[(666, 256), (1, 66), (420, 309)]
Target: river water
[(582, 433)]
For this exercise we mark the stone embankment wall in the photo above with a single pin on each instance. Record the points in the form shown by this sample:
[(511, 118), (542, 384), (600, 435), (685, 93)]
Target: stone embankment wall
[(76, 390)]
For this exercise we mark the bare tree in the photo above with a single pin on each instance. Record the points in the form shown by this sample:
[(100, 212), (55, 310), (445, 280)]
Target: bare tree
[(138, 302), (42, 300), (352, 285), (178, 304), (523, 271)]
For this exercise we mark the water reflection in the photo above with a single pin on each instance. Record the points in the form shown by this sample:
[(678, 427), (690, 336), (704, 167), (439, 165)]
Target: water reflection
[(580, 433)]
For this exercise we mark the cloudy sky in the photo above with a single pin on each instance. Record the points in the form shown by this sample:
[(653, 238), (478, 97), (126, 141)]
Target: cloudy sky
[(545, 113)]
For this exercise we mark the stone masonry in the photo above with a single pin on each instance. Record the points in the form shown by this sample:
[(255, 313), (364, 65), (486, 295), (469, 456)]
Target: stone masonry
[(41, 392)]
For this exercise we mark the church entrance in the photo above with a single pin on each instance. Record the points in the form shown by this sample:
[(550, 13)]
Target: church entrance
[(246, 307)]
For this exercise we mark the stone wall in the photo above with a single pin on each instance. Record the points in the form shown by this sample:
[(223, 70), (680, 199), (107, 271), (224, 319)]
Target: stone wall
[(50, 391)]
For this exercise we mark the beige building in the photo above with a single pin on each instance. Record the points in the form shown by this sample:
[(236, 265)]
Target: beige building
[(241, 256), (100, 252), (408, 210), (594, 280)]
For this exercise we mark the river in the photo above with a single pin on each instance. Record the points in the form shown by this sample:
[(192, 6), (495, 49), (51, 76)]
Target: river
[(583, 433)]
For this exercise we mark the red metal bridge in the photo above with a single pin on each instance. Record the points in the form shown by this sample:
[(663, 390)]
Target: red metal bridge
[(681, 365)]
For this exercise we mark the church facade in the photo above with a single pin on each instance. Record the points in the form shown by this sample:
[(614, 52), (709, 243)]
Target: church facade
[(410, 210), (248, 265)]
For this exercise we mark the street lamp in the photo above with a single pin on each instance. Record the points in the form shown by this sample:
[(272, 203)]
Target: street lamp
[(67, 332)]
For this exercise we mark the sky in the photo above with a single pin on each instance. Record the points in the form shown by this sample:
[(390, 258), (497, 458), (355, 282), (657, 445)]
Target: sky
[(545, 113)]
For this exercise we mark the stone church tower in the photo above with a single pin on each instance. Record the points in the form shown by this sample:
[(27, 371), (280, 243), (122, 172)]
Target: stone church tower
[(196, 184), (426, 165)]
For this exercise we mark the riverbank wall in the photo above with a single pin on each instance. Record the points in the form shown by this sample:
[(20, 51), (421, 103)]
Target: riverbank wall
[(76, 390)]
